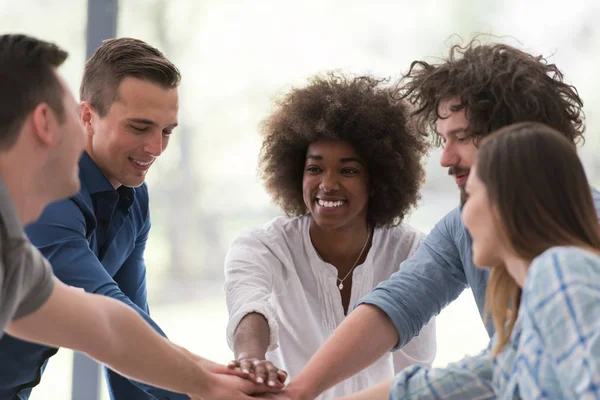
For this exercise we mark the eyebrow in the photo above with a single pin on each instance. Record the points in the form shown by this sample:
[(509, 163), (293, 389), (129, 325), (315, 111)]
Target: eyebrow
[(350, 159), (343, 160), (456, 131), (149, 122)]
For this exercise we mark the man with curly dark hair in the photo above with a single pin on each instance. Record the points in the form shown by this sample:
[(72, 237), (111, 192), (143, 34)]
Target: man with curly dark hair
[(477, 89), (341, 159)]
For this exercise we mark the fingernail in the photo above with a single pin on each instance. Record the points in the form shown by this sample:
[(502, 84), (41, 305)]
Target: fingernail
[(256, 362), (260, 380), (245, 371), (271, 383)]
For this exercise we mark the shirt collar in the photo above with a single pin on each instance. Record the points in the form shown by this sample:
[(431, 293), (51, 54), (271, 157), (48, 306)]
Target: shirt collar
[(96, 182), (91, 175)]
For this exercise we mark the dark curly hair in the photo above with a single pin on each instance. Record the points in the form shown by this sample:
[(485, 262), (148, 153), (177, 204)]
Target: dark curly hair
[(498, 85), (360, 111)]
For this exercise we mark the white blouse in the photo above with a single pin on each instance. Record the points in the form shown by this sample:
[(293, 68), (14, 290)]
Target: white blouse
[(275, 271)]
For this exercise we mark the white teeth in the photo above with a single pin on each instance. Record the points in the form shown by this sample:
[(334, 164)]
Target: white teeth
[(141, 163), (330, 204)]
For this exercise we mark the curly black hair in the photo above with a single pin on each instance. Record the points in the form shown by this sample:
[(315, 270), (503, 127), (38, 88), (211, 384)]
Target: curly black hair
[(498, 85), (358, 110)]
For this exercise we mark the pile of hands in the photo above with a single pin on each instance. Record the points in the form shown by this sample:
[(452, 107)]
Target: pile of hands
[(246, 379)]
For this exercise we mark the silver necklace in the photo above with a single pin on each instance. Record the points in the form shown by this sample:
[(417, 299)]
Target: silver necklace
[(341, 281)]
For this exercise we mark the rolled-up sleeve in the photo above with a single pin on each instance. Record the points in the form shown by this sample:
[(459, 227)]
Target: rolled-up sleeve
[(425, 283), (467, 379), (250, 266), (420, 350)]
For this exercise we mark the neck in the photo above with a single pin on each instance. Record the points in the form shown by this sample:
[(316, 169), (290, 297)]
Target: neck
[(517, 267), (340, 247), (22, 188)]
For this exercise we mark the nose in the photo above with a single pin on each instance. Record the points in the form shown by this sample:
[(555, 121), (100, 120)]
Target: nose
[(449, 156), (329, 183), (154, 144)]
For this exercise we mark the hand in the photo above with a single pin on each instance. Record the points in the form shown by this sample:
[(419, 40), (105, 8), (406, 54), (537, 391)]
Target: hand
[(216, 368), (229, 387), (260, 371)]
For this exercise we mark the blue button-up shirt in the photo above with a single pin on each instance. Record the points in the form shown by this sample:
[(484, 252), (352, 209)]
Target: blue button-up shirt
[(553, 353), (94, 240), (441, 268)]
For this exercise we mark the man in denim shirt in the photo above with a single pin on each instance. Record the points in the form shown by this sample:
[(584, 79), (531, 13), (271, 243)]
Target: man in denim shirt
[(96, 239), (479, 88)]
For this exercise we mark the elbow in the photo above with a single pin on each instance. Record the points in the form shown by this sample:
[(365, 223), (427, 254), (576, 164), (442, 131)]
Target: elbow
[(106, 343)]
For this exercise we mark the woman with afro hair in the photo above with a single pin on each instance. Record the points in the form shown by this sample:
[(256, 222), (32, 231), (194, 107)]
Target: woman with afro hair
[(341, 159)]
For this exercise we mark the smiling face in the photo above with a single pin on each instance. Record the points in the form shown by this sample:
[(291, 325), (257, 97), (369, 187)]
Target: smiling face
[(134, 132), (335, 185), (459, 149)]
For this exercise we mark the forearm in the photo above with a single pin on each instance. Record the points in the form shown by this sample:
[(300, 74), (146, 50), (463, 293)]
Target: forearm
[(111, 333), (251, 337), (367, 328), (143, 355), (381, 391)]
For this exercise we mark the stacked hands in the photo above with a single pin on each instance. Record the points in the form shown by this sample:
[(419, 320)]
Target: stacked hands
[(261, 378), (230, 383)]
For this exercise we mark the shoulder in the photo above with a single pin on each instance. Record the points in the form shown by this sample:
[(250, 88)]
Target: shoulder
[(65, 212), (278, 231), (74, 210), (275, 242), (61, 219), (451, 225), (558, 267), (449, 234)]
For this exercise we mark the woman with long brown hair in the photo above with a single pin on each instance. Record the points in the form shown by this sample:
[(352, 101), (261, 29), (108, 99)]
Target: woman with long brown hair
[(532, 219)]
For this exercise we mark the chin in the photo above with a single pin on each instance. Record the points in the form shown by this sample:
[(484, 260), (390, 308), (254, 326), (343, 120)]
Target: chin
[(326, 224), (485, 260), (478, 260), (133, 183)]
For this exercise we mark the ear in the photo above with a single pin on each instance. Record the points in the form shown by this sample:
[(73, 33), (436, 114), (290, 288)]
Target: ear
[(87, 115), (45, 124)]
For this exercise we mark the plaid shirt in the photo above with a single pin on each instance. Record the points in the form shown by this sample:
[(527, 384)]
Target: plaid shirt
[(554, 351)]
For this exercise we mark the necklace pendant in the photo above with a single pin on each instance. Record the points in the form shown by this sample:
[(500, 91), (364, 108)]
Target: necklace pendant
[(341, 286)]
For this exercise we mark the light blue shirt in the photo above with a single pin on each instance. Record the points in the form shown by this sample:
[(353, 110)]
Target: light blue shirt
[(433, 277), (553, 353)]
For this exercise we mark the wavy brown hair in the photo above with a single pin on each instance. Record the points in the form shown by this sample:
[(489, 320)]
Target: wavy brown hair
[(498, 85), (538, 186), (360, 111)]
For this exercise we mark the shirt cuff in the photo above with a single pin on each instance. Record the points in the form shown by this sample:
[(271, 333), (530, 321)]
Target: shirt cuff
[(391, 310), (259, 308)]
